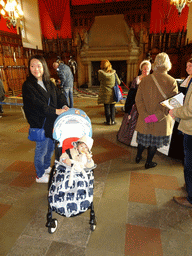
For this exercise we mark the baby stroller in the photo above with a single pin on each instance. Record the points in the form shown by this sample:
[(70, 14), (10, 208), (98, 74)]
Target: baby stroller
[(70, 192)]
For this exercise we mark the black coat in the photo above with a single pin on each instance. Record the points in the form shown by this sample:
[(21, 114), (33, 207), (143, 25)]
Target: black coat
[(35, 104), (130, 101)]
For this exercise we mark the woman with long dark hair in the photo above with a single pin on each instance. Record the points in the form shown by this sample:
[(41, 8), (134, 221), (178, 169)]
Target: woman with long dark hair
[(43, 102)]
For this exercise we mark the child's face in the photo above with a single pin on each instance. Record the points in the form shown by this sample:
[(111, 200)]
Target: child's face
[(82, 147)]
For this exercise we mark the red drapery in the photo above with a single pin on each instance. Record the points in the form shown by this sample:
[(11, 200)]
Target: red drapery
[(56, 10), (85, 2), (47, 27)]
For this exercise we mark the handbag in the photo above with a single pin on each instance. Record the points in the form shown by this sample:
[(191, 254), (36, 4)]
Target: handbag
[(117, 93), (37, 134), (127, 128)]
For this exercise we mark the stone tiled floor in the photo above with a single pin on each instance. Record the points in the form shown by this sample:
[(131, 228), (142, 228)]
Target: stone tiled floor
[(135, 211)]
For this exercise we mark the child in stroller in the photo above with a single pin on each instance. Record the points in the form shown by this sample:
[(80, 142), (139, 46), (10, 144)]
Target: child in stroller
[(71, 187), (80, 153)]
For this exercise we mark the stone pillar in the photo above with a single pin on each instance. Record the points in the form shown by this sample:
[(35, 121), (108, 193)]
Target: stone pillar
[(131, 71), (89, 74), (134, 70), (128, 72)]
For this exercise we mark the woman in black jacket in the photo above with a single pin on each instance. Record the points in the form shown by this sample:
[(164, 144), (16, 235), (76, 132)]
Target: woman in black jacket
[(43, 102)]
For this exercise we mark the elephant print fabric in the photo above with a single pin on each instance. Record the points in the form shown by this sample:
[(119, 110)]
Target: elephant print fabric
[(70, 200)]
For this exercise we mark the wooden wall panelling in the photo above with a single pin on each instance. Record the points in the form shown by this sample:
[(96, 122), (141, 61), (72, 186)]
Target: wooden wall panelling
[(57, 47), (185, 55), (14, 60), (16, 76), (174, 44), (1, 56)]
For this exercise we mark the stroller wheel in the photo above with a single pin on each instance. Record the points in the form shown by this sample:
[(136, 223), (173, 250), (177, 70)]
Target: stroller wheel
[(53, 226), (92, 227)]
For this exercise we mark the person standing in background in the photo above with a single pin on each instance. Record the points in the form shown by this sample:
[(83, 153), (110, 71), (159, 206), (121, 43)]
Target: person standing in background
[(154, 124), (106, 77), (185, 126), (2, 95), (127, 127), (145, 68), (66, 77)]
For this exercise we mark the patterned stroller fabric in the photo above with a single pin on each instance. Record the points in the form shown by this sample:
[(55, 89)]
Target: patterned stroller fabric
[(71, 200)]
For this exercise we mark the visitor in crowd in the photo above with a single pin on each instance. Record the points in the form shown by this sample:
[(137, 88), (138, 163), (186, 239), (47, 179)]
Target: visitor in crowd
[(43, 102), (106, 77), (185, 126), (66, 77), (2, 95), (154, 124), (127, 127)]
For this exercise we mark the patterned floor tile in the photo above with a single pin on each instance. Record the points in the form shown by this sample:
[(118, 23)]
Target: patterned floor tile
[(142, 241), (142, 188), (3, 209)]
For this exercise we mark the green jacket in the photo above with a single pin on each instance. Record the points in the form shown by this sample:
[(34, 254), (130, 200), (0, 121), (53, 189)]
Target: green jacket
[(107, 82)]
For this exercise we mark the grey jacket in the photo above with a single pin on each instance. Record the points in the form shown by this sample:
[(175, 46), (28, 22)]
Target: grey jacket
[(65, 75)]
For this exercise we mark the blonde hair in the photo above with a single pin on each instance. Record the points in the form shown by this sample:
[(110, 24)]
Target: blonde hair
[(162, 61), (106, 66), (143, 63)]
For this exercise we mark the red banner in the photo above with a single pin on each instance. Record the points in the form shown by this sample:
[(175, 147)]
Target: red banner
[(56, 10)]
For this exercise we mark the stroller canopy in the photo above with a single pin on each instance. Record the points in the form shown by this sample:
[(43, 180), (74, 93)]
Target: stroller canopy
[(72, 123)]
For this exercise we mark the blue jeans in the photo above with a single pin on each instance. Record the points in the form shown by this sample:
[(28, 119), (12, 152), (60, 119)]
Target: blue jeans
[(187, 143), (69, 96), (43, 153)]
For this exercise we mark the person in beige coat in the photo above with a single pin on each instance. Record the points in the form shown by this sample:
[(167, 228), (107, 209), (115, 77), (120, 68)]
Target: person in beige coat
[(185, 114), (154, 124), (106, 77)]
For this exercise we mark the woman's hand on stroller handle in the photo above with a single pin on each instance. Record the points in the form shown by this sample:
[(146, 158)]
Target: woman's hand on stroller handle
[(61, 111)]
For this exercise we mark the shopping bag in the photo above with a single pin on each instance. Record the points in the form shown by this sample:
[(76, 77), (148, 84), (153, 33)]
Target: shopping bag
[(117, 93), (127, 127)]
